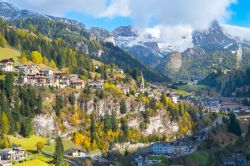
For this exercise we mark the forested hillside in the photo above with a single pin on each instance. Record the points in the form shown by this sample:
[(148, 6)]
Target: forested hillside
[(71, 45), (234, 83)]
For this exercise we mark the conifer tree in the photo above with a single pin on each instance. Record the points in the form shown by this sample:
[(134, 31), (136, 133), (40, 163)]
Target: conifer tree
[(107, 122), (3, 42), (92, 128), (59, 151), (123, 107), (114, 121), (5, 126)]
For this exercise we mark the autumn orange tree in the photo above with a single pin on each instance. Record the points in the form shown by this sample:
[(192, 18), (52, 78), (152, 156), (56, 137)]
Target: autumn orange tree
[(39, 146)]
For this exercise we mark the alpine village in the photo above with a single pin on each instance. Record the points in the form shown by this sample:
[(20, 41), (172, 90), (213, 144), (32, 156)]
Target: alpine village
[(71, 95)]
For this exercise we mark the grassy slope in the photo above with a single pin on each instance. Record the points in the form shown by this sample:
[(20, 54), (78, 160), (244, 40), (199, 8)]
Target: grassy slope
[(28, 144), (9, 53), (32, 163), (199, 157), (67, 144)]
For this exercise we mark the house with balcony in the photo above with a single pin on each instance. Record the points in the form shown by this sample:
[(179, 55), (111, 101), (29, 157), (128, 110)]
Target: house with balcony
[(7, 65), (16, 153)]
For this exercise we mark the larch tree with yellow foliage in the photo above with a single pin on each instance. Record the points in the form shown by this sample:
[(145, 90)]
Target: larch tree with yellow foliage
[(52, 64), (36, 57)]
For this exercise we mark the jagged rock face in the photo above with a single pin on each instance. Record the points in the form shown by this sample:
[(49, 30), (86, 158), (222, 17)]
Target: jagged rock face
[(213, 39), (44, 125), (161, 124), (193, 52), (103, 106), (100, 33), (125, 31), (175, 62), (157, 124)]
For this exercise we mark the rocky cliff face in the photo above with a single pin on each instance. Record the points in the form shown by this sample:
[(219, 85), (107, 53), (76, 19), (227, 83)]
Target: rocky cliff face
[(47, 124), (175, 62), (44, 125)]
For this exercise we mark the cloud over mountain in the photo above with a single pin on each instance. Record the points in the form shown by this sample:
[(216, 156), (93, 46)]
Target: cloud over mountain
[(195, 13), (172, 20)]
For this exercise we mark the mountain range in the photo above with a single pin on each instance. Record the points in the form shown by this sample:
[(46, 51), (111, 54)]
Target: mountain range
[(219, 47)]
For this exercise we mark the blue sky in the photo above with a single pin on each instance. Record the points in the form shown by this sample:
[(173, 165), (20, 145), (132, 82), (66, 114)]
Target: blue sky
[(240, 16), (107, 23), (241, 13)]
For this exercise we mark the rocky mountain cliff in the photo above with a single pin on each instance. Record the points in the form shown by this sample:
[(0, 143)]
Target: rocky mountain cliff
[(212, 46)]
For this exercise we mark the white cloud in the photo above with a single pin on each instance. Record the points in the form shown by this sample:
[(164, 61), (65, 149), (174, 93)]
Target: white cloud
[(239, 33), (116, 8), (195, 13), (178, 37), (174, 20)]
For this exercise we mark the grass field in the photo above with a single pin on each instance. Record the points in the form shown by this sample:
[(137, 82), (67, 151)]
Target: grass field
[(6, 53), (28, 144), (199, 157), (67, 144), (182, 93), (32, 163)]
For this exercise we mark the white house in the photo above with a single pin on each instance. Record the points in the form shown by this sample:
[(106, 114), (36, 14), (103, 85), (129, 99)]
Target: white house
[(96, 84), (7, 154), (7, 65), (164, 148), (75, 153), (175, 98), (16, 153)]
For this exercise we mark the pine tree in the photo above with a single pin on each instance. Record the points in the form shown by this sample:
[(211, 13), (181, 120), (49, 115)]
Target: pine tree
[(234, 125), (59, 105), (8, 84), (3, 42), (124, 127), (114, 121), (163, 100), (92, 128), (26, 128), (5, 126), (39, 104), (59, 152), (52, 64), (107, 122), (6, 142), (123, 107)]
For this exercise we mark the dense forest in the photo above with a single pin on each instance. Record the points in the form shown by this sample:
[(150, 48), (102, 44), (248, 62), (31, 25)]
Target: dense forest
[(234, 83), (17, 107)]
